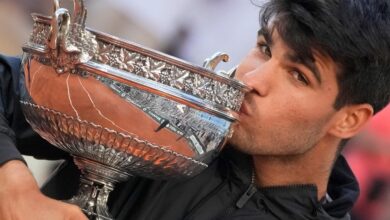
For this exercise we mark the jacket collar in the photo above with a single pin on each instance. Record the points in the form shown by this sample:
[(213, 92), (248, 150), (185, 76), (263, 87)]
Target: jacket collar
[(343, 188)]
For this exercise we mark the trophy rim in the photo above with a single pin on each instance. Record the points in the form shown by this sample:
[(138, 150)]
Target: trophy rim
[(123, 43), (225, 107)]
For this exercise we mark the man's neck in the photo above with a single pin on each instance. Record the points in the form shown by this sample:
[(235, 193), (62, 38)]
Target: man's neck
[(312, 167)]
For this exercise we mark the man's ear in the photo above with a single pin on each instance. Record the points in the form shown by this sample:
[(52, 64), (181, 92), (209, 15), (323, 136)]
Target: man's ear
[(351, 119)]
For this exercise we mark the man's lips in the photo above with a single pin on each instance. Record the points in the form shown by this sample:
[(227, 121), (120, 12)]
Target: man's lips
[(244, 109)]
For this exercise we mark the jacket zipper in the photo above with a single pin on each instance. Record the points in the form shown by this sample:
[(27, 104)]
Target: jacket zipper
[(244, 198)]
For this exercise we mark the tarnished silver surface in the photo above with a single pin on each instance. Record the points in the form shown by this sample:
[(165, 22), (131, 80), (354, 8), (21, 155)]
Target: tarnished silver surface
[(122, 109)]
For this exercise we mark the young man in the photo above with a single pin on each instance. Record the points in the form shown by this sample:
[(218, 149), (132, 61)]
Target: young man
[(319, 71)]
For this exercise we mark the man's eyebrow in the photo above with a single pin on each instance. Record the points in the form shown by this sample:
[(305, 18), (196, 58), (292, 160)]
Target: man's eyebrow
[(294, 58), (266, 34)]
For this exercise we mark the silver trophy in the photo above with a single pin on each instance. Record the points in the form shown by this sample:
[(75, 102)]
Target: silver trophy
[(121, 109)]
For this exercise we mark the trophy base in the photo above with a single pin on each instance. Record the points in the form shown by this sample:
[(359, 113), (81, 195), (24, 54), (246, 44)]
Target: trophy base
[(96, 182)]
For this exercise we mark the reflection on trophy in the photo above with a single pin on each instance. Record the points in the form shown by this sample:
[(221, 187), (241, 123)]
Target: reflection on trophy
[(121, 109)]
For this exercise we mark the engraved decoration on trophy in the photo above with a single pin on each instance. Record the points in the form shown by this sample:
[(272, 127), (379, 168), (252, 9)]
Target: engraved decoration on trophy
[(121, 109)]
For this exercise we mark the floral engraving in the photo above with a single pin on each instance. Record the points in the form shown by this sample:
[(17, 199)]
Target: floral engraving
[(160, 71)]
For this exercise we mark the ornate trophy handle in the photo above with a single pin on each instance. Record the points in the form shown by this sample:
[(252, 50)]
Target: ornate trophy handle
[(69, 43), (79, 11), (60, 25), (212, 62)]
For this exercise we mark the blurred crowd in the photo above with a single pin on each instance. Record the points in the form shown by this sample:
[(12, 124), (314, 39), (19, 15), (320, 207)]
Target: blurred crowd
[(194, 30), (369, 157)]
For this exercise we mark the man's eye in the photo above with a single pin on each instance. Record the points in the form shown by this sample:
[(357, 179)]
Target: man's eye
[(264, 48), (300, 77)]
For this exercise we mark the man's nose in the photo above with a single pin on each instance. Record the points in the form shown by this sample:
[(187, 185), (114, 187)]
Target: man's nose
[(260, 78)]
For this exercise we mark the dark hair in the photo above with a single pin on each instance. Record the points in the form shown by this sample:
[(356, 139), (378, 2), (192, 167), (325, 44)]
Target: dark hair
[(354, 33)]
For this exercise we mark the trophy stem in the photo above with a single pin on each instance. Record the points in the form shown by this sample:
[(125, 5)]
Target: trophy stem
[(96, 182), (92, 199)]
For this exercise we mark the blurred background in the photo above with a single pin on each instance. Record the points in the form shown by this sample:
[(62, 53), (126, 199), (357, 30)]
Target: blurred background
[(194, 30)]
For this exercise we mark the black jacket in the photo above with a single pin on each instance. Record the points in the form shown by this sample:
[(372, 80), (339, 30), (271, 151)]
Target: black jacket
[(220, 192)]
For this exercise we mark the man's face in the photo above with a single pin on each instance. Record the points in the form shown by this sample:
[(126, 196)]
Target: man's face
[(290, 108)]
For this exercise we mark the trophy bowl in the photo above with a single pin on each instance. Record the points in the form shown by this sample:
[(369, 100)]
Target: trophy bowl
[(121, 109)]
